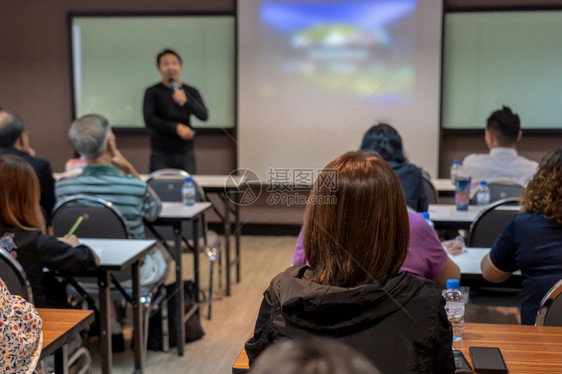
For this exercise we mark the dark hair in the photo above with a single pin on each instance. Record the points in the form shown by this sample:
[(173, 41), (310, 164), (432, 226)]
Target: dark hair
[(356, 226), (543, 194), (312, 356), (11, 127), (505, 126), (384, 139), (167, 52)]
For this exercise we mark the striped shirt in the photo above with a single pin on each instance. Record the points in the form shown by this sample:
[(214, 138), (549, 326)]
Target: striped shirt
[(128, 194)]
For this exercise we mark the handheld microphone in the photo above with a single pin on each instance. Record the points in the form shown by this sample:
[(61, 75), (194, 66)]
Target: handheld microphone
[(175, 87), (174, 84)]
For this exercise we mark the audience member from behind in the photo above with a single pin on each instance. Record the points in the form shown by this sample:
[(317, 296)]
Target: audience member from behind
[(14, 140), (426, 258), (384, 139), (353, 289), (312, 356), (503, 131), (92, 137), (21, 231), (532, 241)]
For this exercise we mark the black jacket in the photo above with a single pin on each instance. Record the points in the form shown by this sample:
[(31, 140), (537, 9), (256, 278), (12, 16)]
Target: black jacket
[(411, 181), (44, 173), (162, 115), (400, 325), (35, 251)]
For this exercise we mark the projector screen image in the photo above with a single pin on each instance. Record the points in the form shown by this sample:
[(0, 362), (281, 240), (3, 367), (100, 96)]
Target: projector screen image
[(344, 48), (314, 76)]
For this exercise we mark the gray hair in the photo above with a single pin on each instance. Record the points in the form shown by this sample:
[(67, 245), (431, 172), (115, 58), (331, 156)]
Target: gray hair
[(89, 134), (11, 127)]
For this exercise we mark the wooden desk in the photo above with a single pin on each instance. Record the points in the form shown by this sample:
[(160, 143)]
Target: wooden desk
[(59, 325), (174, 214), (526, 349), (115, 255)]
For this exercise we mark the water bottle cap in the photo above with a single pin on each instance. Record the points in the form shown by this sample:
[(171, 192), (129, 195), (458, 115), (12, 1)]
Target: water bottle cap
[(188, 179), (457, 162), (483, 183), (425, 215), (453, 283)]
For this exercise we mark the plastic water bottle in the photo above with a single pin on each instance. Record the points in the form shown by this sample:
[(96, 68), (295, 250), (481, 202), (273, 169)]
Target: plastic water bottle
[(483, 194), (188, 192), (429, 222), (454, 306), (456, 170)]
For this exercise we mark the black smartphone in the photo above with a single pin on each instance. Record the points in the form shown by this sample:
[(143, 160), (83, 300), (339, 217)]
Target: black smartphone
[(461, 364), (487, 360)]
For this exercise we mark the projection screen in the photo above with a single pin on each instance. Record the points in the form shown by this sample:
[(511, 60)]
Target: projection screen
[(315, 75)]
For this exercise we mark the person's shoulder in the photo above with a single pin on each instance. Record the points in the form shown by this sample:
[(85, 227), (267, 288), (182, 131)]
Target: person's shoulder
[(474, 157), (155, 89), (157, 86), (528, 162), (415, 218), (189, 88), (40, 163), (411, 168)]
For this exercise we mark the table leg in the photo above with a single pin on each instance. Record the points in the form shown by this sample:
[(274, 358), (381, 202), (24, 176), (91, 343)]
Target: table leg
[(227, 239), (196, 249), (61, 360), (137, 320), (180, 310), (237, 234), (105, 322)]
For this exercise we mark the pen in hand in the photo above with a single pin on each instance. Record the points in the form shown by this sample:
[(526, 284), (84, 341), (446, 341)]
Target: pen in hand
[(75, 226)]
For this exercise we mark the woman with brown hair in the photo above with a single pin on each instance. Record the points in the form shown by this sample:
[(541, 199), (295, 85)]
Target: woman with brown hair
[(532, 241), (21, 232), (356, 237)]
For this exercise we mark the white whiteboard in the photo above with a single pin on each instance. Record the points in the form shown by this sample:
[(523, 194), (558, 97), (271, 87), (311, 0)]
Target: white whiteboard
[(509, 58)]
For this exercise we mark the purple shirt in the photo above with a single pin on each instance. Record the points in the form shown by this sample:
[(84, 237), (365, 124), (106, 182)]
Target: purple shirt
[(425, 259)]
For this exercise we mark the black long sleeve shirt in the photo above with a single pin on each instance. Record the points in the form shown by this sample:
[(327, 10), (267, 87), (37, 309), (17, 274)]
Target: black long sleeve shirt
[(162, 115)]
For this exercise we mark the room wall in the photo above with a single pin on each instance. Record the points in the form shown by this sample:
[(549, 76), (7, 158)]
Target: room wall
[(35, 83)]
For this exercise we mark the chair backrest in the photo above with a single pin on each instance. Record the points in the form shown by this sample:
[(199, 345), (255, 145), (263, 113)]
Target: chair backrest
[(550, 311), (430, 190), (100, 218), (491, 221), (167, 183), (14, 276), (502, 189)]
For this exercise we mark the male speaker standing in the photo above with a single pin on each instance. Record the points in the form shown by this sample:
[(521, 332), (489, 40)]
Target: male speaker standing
[(167, 108)]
